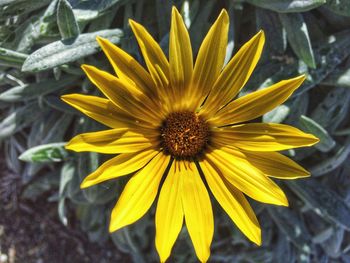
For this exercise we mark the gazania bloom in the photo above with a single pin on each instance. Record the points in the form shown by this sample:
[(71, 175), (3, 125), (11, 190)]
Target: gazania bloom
[(176, 126)]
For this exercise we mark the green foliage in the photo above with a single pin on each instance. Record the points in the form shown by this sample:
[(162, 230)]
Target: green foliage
[(42, 45)]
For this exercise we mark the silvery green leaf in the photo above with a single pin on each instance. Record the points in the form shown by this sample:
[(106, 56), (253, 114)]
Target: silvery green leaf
[(298, 37), (88, 10), (339, 78), (332, 110), (275, 35), (52, 152), (62, 52), (30, 91), (98, 194), (11, 58), (277, 115), (66, 176), (7, 2), (288, 6), (66, 21), (340, 7), (328, 57), (22, 7), (40, 185), (293, 227), (322, 200), (332, 246), (333, 162), (18, 119), (326, 141)]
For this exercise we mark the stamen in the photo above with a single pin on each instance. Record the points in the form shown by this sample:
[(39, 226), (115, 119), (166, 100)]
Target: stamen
[(184, 134)]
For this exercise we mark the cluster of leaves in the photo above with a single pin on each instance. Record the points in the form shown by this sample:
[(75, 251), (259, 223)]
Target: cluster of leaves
[(42, 45)]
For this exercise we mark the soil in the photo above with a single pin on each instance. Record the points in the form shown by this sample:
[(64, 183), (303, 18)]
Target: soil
[(30, 232)]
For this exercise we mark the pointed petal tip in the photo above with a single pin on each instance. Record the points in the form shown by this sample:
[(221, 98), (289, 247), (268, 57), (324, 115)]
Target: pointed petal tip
[(85, 184), (257, 239), (174, 11), (224, 16)]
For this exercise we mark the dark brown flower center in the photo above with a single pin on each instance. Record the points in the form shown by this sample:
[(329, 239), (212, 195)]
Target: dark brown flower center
[(184, 134)]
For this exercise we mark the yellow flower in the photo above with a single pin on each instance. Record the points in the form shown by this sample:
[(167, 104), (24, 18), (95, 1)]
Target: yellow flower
[(178, 123)]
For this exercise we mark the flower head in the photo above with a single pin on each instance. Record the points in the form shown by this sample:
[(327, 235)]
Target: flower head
[(178, 122)]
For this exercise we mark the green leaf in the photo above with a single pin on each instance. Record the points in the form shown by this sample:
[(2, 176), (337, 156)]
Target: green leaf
[(88, 10), (8, 2), (332, 110), (298, 37), (277, 115), (328, 57), (29, 91), (66, 21), (339, 77), (294, 228), (323, 201), (11, 58), (21, 7), (333, 162), (340, 7), (40, 185), (18, 119), (52, 152), (326, 141), (66, 176), (62, 52), (287, 6)]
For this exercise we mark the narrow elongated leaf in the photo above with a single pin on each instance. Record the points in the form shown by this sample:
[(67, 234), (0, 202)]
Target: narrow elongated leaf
[(288, 6), (332, 162), (292, 226), (52, 152), (7, 2), (66, 176), (326, 141), (19, 119), (277, 115), (298, 37), (29, 91), (328, 57), (332, 110), (340, 7), (339, 77), (61, 52), (323, 201), (66, 21), (11, 58), (21, 7), (88, 10)]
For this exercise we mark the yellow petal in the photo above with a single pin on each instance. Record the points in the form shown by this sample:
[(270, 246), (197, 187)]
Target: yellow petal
[(126, 67), (235, 74), (233, 202), (139, 193), (197, 209), (104, 111), (248, 179), (111, 141), (263, 137), (156, 62), (210, 59), (124, 95), (169, 214), (120, 165), (257, 103), (101, 110), (276, 165), (180, 59)]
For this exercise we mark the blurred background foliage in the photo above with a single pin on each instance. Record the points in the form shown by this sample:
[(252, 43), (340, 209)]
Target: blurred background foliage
[(44, 42)]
